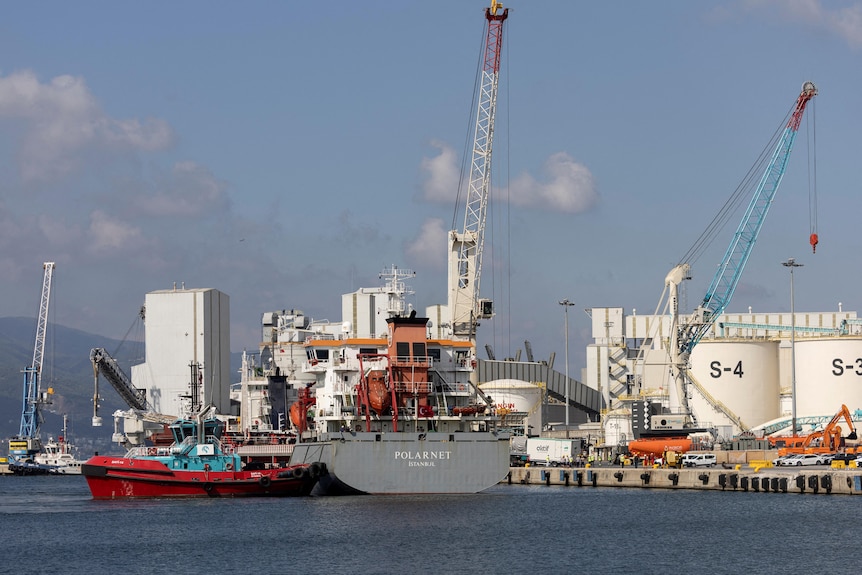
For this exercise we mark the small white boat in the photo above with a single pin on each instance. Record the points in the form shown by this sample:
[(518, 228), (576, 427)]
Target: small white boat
[(58, 456)]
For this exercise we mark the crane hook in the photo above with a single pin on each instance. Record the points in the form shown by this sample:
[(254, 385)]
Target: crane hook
[(813, 240)]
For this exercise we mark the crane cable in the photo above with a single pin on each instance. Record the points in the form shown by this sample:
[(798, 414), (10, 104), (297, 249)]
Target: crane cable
[(811, 128), (743, 192)]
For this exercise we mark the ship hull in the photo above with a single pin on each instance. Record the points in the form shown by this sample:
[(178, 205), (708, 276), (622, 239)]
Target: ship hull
[(122, 477), (408, 463)]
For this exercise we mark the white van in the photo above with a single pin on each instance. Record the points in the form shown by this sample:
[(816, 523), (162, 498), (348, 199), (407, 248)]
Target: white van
[(698, 460)]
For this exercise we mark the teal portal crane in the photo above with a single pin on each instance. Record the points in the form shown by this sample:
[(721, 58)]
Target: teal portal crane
[(686, 336), (28, 442)]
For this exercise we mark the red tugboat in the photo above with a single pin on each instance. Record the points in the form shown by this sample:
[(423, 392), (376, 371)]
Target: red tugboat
[(196, 465)]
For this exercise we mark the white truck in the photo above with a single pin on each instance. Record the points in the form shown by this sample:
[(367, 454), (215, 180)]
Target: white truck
[(550, 451)]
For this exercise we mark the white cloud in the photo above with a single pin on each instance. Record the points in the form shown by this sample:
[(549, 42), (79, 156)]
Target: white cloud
[(110, 234), (189, 190), (440, 174), (569, 187), (61, 120), (430, 245), (844, 22)]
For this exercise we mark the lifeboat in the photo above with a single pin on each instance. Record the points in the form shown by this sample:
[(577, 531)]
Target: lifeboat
[(658, 445), (378, 393), (295, 414)]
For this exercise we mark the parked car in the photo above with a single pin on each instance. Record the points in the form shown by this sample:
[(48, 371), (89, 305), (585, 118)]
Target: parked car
[(826, 458), (698, 460), (784, 459), (845, 457), (806, 459)]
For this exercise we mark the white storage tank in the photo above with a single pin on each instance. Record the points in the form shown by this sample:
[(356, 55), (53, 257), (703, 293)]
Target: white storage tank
[(742, 374), (516, 395), (828, 374)]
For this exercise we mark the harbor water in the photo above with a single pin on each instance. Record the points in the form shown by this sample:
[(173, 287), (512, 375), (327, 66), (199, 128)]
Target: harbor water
[(52, 525)]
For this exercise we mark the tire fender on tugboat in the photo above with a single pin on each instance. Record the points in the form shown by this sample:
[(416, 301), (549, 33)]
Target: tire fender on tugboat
[(314, 470), (265, 481)]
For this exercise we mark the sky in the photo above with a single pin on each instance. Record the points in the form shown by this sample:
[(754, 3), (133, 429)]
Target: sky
[(287, 152)]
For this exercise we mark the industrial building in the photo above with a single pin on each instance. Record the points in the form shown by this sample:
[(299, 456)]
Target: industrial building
[(740, 373)]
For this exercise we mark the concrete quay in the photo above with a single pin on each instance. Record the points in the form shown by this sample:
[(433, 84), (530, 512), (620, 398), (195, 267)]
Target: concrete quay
[(816, 481)]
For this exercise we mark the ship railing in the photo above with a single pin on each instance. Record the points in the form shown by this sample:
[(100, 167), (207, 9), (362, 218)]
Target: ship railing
[(148, 451), (450, 387), (415, 361), (413, 387)]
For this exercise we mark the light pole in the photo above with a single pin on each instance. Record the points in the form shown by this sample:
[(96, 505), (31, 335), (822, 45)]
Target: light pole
[(791, 263), (566, 305)]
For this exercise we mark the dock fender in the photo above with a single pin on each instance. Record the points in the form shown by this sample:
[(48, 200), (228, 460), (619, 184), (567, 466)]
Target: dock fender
[(826, 483), (619, 475), (734, 480), (743, 482), (674, 478), (800, 483), (755, 483), (645, 478), (813, 482), (704, 478)]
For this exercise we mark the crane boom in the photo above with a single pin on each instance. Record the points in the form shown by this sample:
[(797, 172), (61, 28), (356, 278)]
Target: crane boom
[(27, 443), (30, 416), (730, 269), (686, 336), (466, 245)]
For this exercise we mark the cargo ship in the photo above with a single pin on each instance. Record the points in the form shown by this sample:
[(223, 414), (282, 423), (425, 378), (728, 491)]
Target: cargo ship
[(397, 420), (386, 401)]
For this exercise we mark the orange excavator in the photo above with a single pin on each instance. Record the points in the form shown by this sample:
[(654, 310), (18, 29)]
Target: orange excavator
[(828, 440)]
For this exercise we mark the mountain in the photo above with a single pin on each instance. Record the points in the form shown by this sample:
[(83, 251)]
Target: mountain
[(66, 368)]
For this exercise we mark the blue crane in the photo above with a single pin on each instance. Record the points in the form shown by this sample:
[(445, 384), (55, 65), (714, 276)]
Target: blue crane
[(720, 291), (28, 441)]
